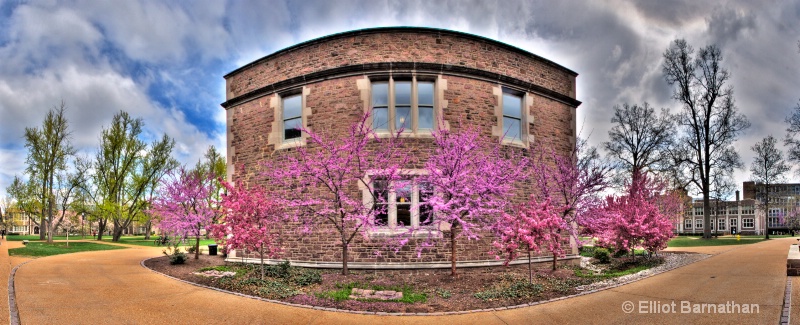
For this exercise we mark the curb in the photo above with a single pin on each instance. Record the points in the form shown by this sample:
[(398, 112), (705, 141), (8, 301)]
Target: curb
[(13, 311)]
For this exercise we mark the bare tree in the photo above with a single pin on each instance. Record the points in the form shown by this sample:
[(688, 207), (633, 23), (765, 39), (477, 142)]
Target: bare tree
[(722, 186), (641, 138), (768, 168), (792, 132), (708, 116)]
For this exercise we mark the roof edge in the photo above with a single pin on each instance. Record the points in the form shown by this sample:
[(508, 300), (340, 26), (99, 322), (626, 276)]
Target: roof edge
[(377, 30)]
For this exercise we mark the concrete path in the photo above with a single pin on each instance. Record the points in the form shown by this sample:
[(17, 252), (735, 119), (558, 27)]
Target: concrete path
[(110, 287)]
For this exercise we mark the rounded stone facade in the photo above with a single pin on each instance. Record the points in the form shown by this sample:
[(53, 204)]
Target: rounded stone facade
[(422, 74)]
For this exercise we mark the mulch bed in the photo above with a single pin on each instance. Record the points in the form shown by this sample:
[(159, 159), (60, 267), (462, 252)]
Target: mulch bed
[(444, 292)]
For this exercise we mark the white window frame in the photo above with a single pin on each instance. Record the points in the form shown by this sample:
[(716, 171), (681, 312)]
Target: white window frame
[(523, 129), (698, 223), (750, 221), (734, 222), (283, 98), (392, 227), (277, 136), (687, 224), (721, 224), (391, 106)]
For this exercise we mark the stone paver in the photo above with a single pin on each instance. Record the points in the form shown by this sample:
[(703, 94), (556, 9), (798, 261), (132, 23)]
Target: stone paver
[(111, 287)]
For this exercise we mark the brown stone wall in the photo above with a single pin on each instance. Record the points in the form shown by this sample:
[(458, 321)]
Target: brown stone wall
[(336, 103), (432, 46)]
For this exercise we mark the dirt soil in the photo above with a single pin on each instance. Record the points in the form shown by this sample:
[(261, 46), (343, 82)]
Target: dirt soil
[(444, 292)]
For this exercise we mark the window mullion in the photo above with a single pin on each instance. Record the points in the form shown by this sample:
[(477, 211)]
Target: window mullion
[(392, 207), (414, 105), (414, 205), (391, 122)]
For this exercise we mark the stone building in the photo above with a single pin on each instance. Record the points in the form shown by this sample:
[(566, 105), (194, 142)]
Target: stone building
[(403, 76)]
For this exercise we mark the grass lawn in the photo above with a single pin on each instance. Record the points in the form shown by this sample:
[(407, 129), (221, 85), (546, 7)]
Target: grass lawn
[(36, 237), (131, 240), (39, 249), (140, 241), (693, 241)]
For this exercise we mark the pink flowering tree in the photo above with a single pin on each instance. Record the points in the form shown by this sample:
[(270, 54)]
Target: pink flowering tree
[(643, 217), (340, 168), (572, 182), (252, 221), (472, 179), (181, 207), (532, 227), (67, 224)]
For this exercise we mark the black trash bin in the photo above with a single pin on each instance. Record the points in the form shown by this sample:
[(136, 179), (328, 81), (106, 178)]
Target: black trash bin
[(212, 249)]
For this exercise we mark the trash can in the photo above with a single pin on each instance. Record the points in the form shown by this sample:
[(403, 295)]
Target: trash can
[(212, 249)]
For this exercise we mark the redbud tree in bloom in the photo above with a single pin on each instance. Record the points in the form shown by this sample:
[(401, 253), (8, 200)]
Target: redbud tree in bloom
[(643, 217), (340, 167), (181, 207), (252, 220), (531, 227), (571, 182), (472, 179)]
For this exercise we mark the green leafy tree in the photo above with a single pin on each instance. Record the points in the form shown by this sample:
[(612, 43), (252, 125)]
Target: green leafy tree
[(49, 150), (124, 168)]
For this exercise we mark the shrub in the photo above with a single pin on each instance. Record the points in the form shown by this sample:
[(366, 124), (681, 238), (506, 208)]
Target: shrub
[(620, 253), (276, 289), (518, 289), (443, 293), (306, 277), (175, 255), (602, 255), (282, 270)]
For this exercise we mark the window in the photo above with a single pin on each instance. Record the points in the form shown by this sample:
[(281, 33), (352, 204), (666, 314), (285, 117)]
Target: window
[(402, 203), (774, 222), (406, 104), (721, 223), (512, 116), (733, 210), (687, 223), (748, 223), (292, 116), (698, 223), (698, 211), (733, 223)]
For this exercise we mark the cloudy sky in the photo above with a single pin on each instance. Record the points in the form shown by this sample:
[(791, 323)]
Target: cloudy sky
[(163, 61)]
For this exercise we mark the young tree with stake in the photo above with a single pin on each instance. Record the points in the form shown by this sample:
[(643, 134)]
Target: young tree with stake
[(338, 167), (472, 179)]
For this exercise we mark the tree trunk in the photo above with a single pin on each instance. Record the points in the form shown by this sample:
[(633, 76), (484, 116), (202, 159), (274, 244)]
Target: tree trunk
[(260, 253), (345, 271), (453, 251), (148, 226), (555, 260), (101, 227), (197, 247), (530, 268), (117, 233), (42, 228), (766, 211)]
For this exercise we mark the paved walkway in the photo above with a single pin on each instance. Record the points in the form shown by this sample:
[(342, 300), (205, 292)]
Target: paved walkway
[(110, 287)]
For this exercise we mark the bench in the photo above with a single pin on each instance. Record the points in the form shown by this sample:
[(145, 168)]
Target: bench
[(793, 261)]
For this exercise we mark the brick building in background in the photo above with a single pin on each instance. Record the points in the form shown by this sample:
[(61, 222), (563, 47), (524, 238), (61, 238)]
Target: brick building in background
[(395, 73)]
